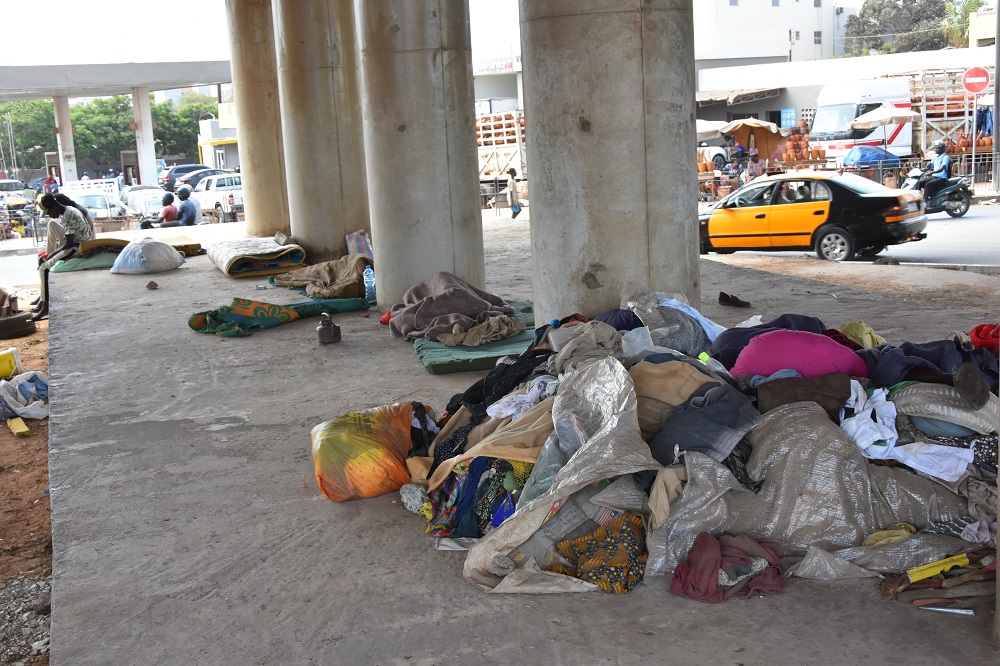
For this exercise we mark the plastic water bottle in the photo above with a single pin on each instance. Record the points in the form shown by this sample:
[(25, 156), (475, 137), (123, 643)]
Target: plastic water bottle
[(369, 284)]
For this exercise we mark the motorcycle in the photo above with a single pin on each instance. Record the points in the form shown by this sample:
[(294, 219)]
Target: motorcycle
[(955, 198)]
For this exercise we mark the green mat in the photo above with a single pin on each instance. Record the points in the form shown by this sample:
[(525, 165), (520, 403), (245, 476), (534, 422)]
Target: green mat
[(439, 359), (102, 260)]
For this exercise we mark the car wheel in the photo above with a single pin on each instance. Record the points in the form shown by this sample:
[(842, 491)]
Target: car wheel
[(723, 250), (871, 251), (834, 244), (720, 162), (221, 213), (958, 204)]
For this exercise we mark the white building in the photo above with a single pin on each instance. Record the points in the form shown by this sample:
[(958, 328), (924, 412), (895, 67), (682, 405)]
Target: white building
[(748, 32), (727, 33)]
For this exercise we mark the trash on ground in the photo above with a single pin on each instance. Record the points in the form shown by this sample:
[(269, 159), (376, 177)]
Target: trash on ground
[(651, 444)]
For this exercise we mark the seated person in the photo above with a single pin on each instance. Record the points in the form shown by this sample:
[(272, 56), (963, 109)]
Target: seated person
[(67, 223), (186, 212), (198, 219), (166, 216)]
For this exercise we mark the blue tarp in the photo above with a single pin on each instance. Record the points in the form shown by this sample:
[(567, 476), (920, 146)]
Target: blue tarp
[(863, 157)]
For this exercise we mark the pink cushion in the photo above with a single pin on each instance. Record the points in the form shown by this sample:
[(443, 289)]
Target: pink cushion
[(811, 354)]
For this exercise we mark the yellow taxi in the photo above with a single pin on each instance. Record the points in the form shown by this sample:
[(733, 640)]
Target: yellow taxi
[(836, 214)]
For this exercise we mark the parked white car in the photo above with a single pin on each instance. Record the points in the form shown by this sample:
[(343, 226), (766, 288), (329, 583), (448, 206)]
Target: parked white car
[(97, 203), (222, 193)]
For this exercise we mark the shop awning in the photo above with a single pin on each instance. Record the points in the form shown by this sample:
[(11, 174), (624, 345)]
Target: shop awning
[(738, 96)]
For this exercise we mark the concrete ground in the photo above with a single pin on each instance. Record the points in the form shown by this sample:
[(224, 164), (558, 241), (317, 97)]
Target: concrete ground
[(188, 529)]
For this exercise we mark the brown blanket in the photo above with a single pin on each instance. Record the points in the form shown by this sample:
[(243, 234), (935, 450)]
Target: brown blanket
[(432, 308), (341, 278)]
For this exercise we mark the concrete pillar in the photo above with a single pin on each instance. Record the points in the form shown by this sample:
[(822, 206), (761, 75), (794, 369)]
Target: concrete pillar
[(416, 68), (609, 91), (145, 148), (64, 139), (255, 93), (321, 124)]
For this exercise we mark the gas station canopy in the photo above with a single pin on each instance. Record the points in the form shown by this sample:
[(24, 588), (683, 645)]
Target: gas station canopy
[(44, 82)]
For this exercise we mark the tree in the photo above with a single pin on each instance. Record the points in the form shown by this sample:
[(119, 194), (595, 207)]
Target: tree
[(897, 26), (32, 121), (102, 129), (955, 23), (177, 131)]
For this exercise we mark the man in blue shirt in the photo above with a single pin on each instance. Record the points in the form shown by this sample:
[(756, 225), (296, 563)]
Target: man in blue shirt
[(941, 172), (186, 211)]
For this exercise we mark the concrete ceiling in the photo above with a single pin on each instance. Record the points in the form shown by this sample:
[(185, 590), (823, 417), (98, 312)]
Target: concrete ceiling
[(44, 82)]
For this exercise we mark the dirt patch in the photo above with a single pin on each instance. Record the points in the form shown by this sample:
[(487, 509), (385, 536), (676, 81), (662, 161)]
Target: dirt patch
[(25, 526)]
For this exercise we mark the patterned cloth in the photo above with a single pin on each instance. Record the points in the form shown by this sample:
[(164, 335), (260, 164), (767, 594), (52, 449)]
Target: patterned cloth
[(237, 320), (613, 556)]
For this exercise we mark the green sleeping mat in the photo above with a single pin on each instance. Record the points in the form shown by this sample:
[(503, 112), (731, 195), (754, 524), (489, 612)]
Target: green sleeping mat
[(439, 359)]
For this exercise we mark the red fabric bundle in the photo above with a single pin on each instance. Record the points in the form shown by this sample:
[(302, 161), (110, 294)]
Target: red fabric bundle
[(698, 577), (986, 336)]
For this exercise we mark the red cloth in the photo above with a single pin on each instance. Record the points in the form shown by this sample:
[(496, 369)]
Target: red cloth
[(385, 318), (698, 577), (836, 335), (986, 336), (169, 213)]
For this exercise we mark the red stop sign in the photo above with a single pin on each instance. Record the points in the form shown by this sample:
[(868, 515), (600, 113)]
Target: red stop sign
[(976, 80)]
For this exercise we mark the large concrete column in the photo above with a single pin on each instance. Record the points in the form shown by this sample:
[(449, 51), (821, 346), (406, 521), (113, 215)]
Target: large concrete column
[(609, 94), (255, 92), (145, 148), (416, 59), (321, 124), (64, 139)]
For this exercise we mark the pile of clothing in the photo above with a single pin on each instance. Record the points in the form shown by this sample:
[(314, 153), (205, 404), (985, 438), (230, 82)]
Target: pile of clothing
[(651, 441)]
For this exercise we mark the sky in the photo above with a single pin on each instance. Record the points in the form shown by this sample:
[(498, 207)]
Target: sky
[(112, 31)]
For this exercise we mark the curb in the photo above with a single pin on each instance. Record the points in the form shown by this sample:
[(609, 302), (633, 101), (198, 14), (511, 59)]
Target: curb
[(21, 251)]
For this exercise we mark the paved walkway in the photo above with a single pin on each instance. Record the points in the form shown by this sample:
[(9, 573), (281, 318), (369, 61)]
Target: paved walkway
[(187, 527)]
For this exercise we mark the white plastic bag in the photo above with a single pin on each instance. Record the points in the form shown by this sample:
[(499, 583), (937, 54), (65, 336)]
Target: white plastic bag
[(147, 255)]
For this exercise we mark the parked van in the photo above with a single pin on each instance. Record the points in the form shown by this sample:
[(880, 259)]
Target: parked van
[(839, 104)]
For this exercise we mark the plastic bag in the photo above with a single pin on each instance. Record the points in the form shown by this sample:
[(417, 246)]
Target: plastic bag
[(363, 454), (147, 255)]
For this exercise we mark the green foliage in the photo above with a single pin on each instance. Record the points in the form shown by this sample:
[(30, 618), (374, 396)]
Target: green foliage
[(102, 128), (897, 26), (32, 121), (955, 23)]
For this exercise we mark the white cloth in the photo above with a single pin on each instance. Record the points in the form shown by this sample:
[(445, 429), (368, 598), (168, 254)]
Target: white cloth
[(947, 463), (873, 428), (516, 404), (874, 420)]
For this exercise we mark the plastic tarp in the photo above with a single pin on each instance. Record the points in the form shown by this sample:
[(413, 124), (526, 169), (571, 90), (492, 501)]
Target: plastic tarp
[(863, 157), (601, 396), (819, 490)]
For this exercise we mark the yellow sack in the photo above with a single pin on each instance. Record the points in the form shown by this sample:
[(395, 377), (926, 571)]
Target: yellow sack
[(363, 454)]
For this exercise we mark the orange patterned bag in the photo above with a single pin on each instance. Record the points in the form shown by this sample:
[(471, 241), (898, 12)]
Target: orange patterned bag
[(363, 454)]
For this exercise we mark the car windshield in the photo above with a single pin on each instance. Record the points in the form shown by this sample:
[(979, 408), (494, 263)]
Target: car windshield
[(11, 186), (834, 118), (858, 184), (92, 200)]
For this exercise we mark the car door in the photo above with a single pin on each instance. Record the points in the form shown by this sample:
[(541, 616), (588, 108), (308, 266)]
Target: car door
[(741, 220), (800, 206)]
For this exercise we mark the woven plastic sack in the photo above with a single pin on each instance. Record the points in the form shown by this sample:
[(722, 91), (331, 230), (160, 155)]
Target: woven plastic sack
[(147, 255), (819, 490), (363, 454)]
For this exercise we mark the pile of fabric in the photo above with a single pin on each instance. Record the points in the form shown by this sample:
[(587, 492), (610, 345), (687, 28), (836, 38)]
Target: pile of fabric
[(653, 442)]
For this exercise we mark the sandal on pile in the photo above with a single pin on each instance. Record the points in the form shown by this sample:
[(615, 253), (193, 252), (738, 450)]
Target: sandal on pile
[(735, 301), (971, 385)]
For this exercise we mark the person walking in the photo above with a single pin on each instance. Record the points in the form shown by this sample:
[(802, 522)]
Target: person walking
[(512, 196)]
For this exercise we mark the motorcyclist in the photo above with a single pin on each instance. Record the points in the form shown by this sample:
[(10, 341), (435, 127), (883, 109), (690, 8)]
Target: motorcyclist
[(166, 218), (940, 172)]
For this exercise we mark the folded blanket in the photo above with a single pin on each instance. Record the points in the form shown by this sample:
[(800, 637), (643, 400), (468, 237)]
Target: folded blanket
[(434, 307), (237, 320), (253, 257), (341, 278)]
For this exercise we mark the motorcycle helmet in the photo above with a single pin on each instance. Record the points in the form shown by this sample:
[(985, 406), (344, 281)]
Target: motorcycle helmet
[(938, 146), (168, 199), (184, 192)]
